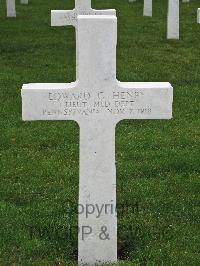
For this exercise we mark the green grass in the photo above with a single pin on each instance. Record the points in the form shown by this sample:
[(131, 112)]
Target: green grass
[(158, 162)]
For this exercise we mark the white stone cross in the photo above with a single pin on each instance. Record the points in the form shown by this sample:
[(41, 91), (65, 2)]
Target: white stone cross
[(147, 8), (97, 101), (173, 19), (10, 5), (69, 17)]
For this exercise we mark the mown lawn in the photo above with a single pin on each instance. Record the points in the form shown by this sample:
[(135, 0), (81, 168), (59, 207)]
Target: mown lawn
[(158, 162)]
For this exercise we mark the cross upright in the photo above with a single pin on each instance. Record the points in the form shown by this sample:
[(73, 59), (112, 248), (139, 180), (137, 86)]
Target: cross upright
[(97, 101), (69, 17)]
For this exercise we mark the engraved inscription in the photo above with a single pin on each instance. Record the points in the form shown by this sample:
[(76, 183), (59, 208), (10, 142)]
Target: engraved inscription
[(72, 16), (88, 103)]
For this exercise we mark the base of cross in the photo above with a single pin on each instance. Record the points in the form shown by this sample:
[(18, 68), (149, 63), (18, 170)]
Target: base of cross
[(97, 101)]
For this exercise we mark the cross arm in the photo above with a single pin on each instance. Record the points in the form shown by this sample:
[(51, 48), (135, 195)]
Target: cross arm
[(69, 17), (63, 17), (47, 101), (144, 100), (135, 100)]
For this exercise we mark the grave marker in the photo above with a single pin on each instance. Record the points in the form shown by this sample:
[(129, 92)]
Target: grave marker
[(24, 2), (11, 11), (69, 17), (173, 19), (147, 8), (198, 15), (97, 101)]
